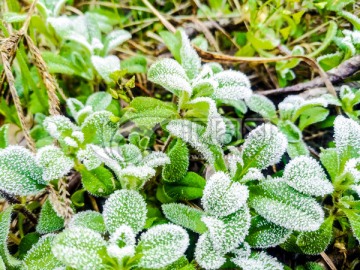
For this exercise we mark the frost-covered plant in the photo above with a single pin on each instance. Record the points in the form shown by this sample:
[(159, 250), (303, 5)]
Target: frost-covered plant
[(243, 209), (294, 114), (349, 98)]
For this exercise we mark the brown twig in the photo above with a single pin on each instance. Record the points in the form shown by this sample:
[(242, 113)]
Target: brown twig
[(328, 261)]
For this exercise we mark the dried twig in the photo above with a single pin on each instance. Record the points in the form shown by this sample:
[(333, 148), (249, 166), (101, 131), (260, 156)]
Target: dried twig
[(60, 200)]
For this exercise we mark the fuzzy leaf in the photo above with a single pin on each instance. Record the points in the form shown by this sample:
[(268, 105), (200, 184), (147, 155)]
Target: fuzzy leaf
[(122, 243), (114, 39), (99, 101), (185, 216), (99, 182), (105, 66), (40, 257), (329, 159), (188, 188), (233, 85), (79, 248), (354, 219), (155, 159), (88, 157), (223, 197), (297, 149), (59, 127), (284, 206), (315, 242), (74, 105), (258, 261), (88, 219), (147, 112), (4, 139), (263, 147), (206, 256), (49, 221), (125, 207), (306, 175), (179, 162), (170, 74), (346, 138), (265, 234), (53, 162), (228, 232), (162, 245), (135, 64), (8, 259), (19, 173), (262, 105)]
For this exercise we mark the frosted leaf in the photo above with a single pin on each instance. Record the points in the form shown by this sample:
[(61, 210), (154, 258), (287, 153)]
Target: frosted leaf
[(190, 60), (78, 135), (244, 250), (141, 173), (70, 142), (352, 36), (306, 175), (289, 105), (170, 74), (106, 155), (9, 260), (253, 174), (88, 157), (233, 85), (19, 173), (115, 38), (105, 66), (123, 236), (191, 133), (40, 257), (162, 245), (265, 234), (99, 101), (178, 154), (356, 188), (347, 137), (258, 261), (185, 216), (49, 221), (155, 159), (315, 242), (206, 256), (222, 197), (216, 128), (54, 162), (83, 114), (59, 126), (263, 147), (120, 253), (261, 105), (284, 206), (127, 154), (74, 106), (227, 233), (125, 207), (79, 248), (88, 219)]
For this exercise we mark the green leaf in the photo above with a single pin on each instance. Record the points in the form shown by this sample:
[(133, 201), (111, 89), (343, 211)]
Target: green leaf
[(147, 112), (162, 245), (329, 159), (179, 162), (354, 219), (49, 221), (40, 256), (265, 234), (329, 61), (98, 182), (188, 188), (330, 34), (114, 39), (263, 147), (223, 197), (8, 259), (297, 149), (105, 66), (206, 256), (312, 116), (59, 64), (293, 133), (27, 242), (125, 207), (258, 261), (306, 175), (54, 162), (85, 246), (173, 43), (4, 136), (262, 105), (88, 219), (284, 206), (135, 64), (60, 128), (170, 74), (99, 101), (185, 216), (315, 242), (19, 173)]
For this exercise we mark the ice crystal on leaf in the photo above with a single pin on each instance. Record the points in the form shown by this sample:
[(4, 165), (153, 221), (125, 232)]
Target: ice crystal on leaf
[(222, 197), (19, 172), (286, 207), (252, 174), (115, 38), (49, 221), (54, 162), (59, 126), (258, 261), (88, 157), (206, 256), (262, 105), (105, 66), (155, 159), (88, 219), (70, 142), (162, 245), (122, 243), (170, 74), (306, 175), (190, 61), (79, 248), (125, 207), (263, 147)]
